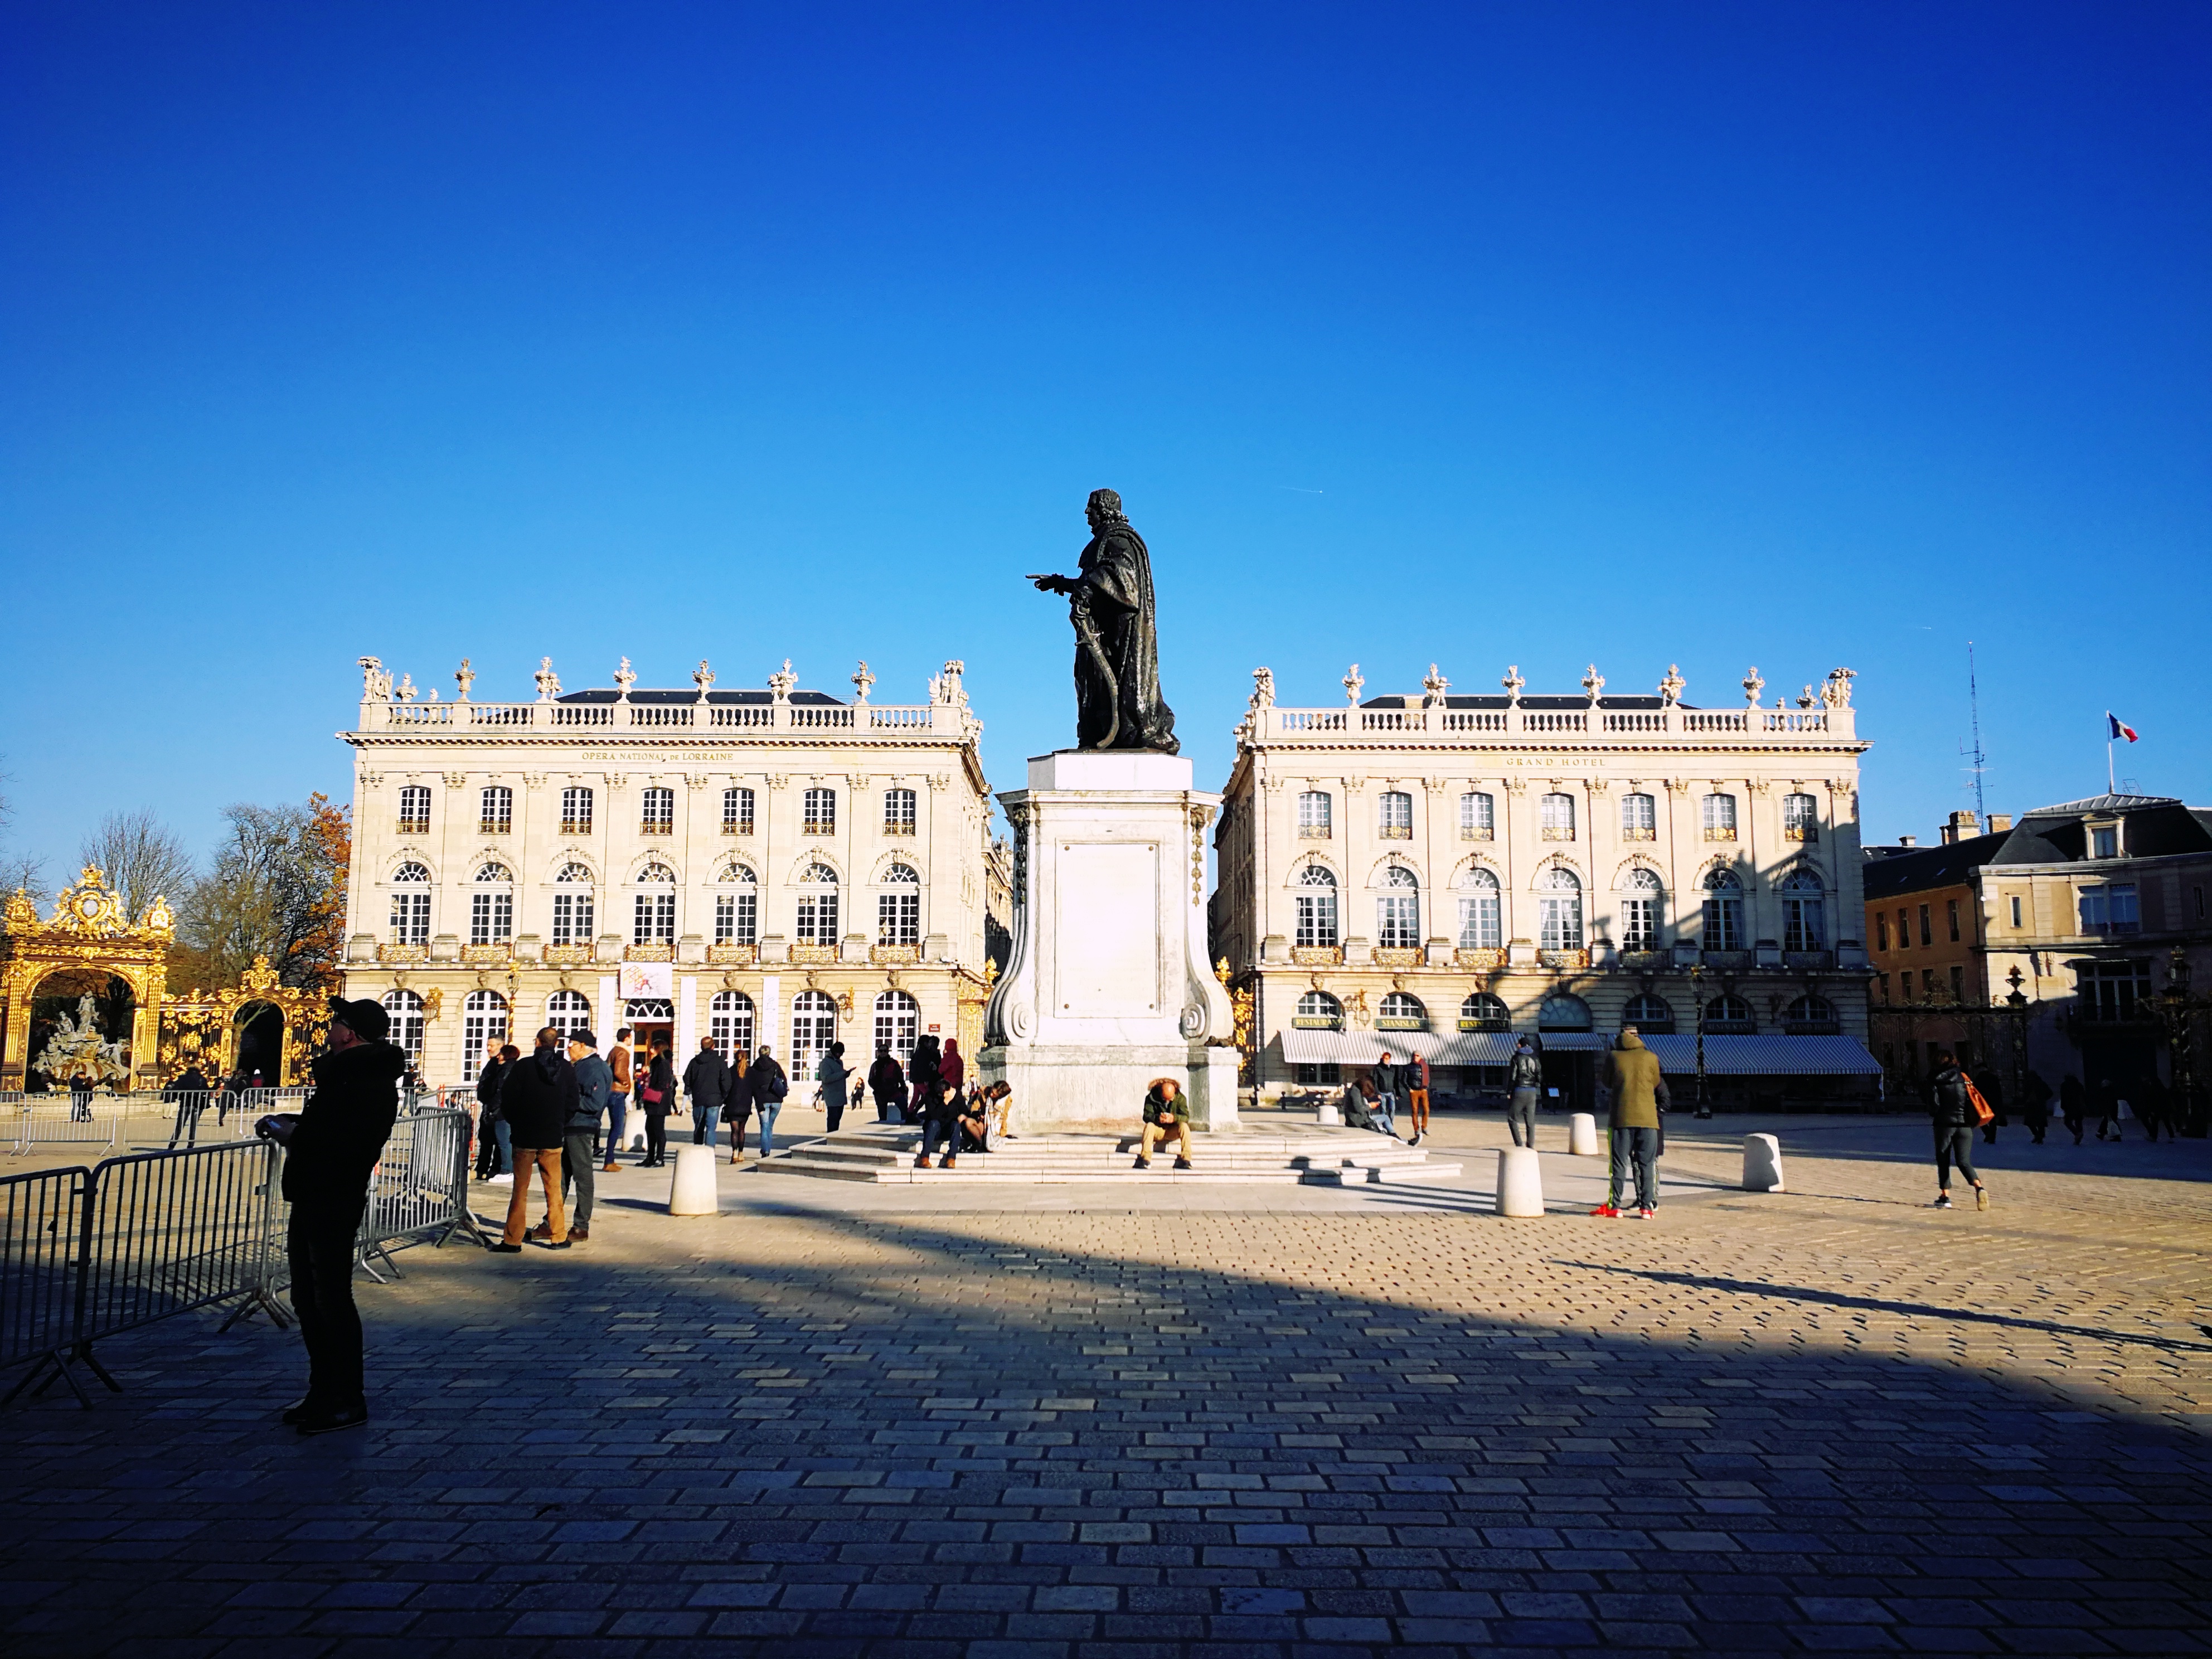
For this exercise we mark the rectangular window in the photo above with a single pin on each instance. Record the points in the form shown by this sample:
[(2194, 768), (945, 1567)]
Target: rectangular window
[(1478, 923), (1556, 815), (2016, 909), (1719, 817), (1958, 985), (898, 917), (1478, 817), (898, 811), (1801, 818), (1952, 907), (1881, 932), (2199, 891), (652, 920), (1884, 980), (2110, 908), (1398, 921), (1928, 983), (498, 817), (576, 812), (737, 918), (411, 918), (572, 918), (1639, 817), (1315, 814), (2105, 843), (491, 918), (822, 811), (1316, 919), (1904, 929), (1394, 818), (657, 812), (2113, 990), (737, 811), (1560, 921), (1927, 927), (1639, 924), (817, 914), (415, 809), (1723, 922)]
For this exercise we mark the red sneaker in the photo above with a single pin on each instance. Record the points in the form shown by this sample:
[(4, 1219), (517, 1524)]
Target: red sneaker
[(1605, 1210)]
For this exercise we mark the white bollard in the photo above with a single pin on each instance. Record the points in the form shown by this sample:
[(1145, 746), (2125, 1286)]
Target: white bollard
[(1328, 1115), (1520, 1181), (691, 1184), (1762, 1164), (1581, 1135)]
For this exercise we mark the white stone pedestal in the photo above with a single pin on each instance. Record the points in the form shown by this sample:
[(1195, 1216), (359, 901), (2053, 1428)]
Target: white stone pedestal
[(1108, 988), (1762, 1164)]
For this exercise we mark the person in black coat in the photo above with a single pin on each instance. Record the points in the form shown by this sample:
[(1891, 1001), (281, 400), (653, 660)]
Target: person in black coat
[(538, 1097), (1951, 1109), (81, 1100), (922, 1070), (189, 1095), (887, 1083), (331, 1150), (2073, 1102), (2035, 1106), (494, 1155), (656, 1098), (707, 1080)]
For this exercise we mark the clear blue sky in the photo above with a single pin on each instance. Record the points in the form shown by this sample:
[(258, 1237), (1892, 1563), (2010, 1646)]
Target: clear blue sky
[(1797, 336)]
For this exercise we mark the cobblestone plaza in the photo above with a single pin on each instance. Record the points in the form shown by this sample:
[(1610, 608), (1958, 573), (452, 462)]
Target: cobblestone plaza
[(1205, 1420)]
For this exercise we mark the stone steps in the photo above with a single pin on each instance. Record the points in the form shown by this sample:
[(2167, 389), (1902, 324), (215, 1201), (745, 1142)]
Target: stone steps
[(886, 1155)]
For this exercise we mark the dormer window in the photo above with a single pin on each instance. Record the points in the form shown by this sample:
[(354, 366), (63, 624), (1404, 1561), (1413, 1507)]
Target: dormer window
[(2105, 841)]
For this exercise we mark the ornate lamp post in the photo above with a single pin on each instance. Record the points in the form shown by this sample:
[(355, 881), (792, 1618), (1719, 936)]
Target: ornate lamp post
[(2016, 1006), (1697, 991), (2179, 1013)]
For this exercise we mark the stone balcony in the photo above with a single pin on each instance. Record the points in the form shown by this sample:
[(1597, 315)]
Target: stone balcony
[(1616, 727), (859, 722)]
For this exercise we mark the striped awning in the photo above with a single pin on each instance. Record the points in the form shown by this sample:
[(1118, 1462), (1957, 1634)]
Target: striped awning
[(1766, 1056)]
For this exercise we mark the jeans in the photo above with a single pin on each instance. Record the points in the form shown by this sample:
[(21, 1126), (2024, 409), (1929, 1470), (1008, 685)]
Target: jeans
[(935, 1129), (769, 1108), (504, 1138), (1385, 1113), (322, 1252), (618, 1111), (1639, 1147), (1521, 1116), (1954, 1146), (579, 1158), (546, 1162), (705, 1122)]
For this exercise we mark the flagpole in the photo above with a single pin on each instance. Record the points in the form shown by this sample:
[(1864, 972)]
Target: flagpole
[(2111, 787)]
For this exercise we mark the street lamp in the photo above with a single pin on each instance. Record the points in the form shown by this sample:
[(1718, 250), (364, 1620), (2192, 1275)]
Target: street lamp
[(2017, 1003), (1697, 991), (2178, 1012)]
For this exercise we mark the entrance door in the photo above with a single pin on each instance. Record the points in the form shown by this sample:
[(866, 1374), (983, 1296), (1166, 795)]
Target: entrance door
[(651, 1020)]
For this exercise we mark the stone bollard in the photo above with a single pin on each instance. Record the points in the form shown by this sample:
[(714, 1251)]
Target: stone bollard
[(1328, 1115), (1762, 1164), (1581, 1135), (1520, 1181), (691, 1184)]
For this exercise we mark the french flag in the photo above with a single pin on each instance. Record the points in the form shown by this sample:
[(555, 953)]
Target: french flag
[(2115, 727)]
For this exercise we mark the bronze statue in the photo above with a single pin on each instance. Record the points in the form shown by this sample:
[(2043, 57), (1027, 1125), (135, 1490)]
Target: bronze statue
[(1117, 662)]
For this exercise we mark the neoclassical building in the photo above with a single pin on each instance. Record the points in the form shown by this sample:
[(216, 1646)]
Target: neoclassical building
[(1432, 873), (774, 865)]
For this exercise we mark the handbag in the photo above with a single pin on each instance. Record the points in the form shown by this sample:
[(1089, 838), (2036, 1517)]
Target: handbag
[(1983, 1111), (647, 1095)]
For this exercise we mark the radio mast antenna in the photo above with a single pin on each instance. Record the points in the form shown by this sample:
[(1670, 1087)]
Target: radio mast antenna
[(1981, 760)]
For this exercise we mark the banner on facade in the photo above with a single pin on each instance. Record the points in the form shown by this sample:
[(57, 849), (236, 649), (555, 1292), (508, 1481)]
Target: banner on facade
[(648, 979)]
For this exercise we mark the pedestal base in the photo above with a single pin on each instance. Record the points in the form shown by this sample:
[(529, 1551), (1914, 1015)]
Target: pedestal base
[(1077, 1088)]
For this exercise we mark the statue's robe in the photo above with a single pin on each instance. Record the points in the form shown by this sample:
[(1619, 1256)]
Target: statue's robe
[(1115, 584)]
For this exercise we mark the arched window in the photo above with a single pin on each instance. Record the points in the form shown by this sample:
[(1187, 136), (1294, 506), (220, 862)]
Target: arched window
[(1485, 1012), (730, 1024), (1804, 913), (818, 905), (1556, 814), (571, 905), (1647, 1013), (1718, 813), (1563, 1012), (1730, 1014), (491, 906), (652, 920), (568, 1012), (1316, 819), (1395, 816), (1401, 1012), (898, 907), (404, 1010), (1811, 1015), (1639, 817), (1398, 910), (410, 906), (1481, 914), (1724, 911), (813, 1029), (736, 910), (1315, 903), (1641, 896), (898, 1018), (484, 1029), (1801, 818), (498, 811), (1318, 1012), (1478, 817), (1559, 910)]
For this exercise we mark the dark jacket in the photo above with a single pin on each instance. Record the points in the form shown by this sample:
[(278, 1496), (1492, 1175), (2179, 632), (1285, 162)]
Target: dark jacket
[(2071, 1098), (488, 1082), (189, 1081), (766, 1082), (1639, 1093), (595, 1081), (1947, 1104), (1159, 1109), (80, 1088), (341, 1130), (1387, 1079), (538, 1098), (2036, 1108), (831, 1075), (707, 1079), (921, 1070), (887, 1078), (938, 1109), (1356, 1114), (1526, 1069), (659, 1075)]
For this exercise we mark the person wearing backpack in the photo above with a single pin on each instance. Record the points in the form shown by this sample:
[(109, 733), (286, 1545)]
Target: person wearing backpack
[(1524, 1076), (1952, 1104)]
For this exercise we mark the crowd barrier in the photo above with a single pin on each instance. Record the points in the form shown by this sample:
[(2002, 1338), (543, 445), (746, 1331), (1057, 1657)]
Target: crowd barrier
[(88, 1254)]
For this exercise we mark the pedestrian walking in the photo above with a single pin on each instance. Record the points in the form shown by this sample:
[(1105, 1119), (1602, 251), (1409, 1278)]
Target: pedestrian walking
[(617, 1097), (707, 1081), (189, 1094), (2072, 1105), (80, 1098), (537, 1099), (1416, 1096), (830, 1074), (2154, 1104), (941, 1124), (767, 1085), (887, 1083), (226, 1100), (2108, 1107), (656, 1097), (1524, 1077), (1638, 1095), (495, 1155), (330, 1149), (1167, 1117), (2035, 1106), (1951, 1096), (580, 1147), (1993, 1091)]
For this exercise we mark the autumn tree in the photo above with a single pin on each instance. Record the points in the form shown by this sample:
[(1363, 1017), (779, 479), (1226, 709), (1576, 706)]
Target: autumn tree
[(276, 889)]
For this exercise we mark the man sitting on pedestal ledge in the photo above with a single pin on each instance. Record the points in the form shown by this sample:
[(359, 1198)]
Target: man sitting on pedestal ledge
[(1167, 1115)]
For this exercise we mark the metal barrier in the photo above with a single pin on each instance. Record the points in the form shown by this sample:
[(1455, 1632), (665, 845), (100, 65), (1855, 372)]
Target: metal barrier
[(53, 1120), (41, 1247), (421, 1186)]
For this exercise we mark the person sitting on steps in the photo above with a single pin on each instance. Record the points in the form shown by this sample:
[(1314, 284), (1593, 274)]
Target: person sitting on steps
[(1167, 1115), (941, 1123), (974, 1122)]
